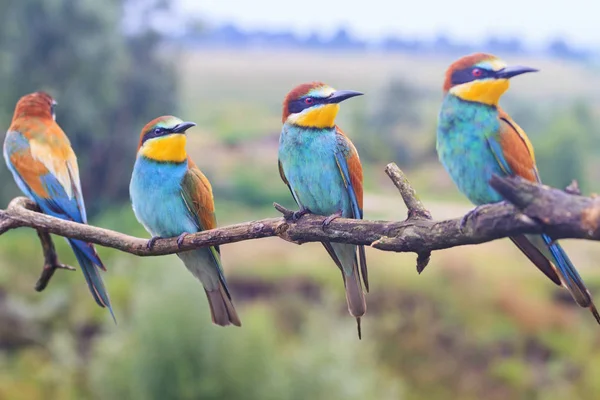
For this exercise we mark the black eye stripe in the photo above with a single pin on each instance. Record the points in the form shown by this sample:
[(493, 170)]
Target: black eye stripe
[(156, 132), (466, 75), (298, 105)]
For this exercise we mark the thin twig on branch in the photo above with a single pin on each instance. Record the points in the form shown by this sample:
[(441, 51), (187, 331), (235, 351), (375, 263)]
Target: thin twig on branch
[(535, 208), (416, 209)]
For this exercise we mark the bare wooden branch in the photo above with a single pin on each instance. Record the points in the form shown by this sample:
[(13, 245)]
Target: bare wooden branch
[(51, 263), (416, 209), (535, 209)]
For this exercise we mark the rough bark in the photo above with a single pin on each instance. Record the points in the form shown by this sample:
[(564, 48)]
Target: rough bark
[(530, 208)]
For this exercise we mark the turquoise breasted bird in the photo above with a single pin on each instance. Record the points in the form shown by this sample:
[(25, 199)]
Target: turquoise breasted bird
[(44, 166), (476, 139), (172, 197), (323, 172)]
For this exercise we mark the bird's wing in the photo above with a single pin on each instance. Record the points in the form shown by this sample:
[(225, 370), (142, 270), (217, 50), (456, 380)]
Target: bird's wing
[(513, 150), (196, 192), (514, 153), (47, 168), (350, 168)]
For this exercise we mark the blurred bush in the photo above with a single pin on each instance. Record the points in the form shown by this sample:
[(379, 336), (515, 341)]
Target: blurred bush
[(169, 350)]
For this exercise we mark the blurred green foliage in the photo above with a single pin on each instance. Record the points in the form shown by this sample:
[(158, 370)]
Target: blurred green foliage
[(168, 351), (107, 85)]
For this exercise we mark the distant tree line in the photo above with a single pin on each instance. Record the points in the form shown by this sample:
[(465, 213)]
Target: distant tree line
[(229, 35)]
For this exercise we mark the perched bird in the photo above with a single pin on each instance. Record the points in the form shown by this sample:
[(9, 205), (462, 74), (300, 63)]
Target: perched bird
[(323, 172), (476, 139), (171, 197), (40, 157)]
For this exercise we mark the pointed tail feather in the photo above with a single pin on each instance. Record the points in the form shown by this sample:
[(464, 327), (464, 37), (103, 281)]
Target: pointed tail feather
[(540, 249), (354, 294), (222, 311), (568, 274), (355, 297), (536, 257), (91, 273)]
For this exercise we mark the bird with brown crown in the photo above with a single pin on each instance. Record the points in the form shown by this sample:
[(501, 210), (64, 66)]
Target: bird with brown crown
[(320, 166), (172, 197), (476, 139), (40, 157)]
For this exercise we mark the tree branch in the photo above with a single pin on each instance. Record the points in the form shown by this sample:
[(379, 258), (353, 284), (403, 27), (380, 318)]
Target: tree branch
[(535, 208)]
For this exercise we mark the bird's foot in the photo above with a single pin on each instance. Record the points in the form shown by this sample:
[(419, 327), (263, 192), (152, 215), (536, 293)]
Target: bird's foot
[(180, 239), (470, 214), (330, 219), (151, 242), (296, 215)]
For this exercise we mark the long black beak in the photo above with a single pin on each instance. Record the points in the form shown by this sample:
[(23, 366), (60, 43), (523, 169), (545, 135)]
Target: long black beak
[(182, 127), (340, 95), (515, 70)]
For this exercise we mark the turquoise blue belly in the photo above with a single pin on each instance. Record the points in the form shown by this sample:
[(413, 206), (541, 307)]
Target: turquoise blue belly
[(463, 148), (308, 160), (155, 191)]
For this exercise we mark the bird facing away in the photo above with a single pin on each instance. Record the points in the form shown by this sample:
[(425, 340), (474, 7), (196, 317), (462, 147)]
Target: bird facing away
[(476, 139), (44, 166), (171, 197), (321, 167)]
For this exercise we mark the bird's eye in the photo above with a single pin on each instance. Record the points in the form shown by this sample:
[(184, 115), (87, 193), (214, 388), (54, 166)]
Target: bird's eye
[(477, 72), (308, 101)]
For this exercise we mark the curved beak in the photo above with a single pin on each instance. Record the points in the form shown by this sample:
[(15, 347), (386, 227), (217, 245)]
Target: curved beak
[(340, 95), (515, 70), (182, 127)]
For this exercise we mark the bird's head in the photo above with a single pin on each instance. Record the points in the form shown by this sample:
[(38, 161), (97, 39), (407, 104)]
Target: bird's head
[(163, 139), (481, 78), (314, 105), (37, 104)]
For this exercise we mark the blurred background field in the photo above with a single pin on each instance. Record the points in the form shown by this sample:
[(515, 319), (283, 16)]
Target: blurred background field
[(479, 322)]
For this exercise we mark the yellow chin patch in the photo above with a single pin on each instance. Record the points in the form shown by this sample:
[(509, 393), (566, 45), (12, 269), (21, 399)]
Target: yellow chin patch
[(482, 91), (169, 148), (318, 117)]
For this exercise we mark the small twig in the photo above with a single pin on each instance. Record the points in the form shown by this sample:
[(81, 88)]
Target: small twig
[(416, 209), (287, 214), (573, 188), (51, 263)]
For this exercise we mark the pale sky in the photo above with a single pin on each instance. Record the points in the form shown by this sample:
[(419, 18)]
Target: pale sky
[(577, 21)]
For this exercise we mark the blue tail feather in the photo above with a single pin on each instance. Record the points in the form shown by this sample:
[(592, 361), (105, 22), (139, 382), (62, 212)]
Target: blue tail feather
[(90, 271), (569, 274)]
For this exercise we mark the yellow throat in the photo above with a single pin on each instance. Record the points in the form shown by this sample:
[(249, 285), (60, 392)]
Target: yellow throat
[(318, 117), (482, 91), (169, 148)]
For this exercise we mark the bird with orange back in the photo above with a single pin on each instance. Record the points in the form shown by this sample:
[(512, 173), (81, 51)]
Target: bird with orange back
[(172, 197), (323, 172), (476, 139), (44, 166)]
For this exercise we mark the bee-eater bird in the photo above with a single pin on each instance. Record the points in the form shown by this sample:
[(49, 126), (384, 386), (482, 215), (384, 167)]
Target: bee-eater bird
[(320, 166), (172, 197), (476, 139), (44, 166)]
